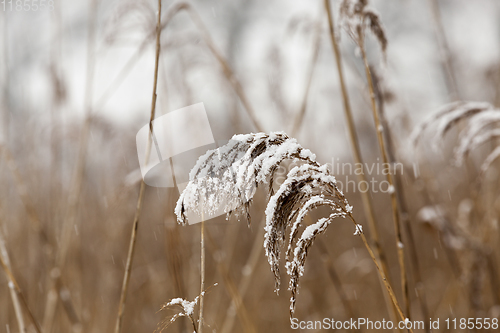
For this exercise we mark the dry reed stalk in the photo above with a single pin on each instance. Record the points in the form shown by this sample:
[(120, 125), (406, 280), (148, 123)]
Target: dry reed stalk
[(357, 17), (59, 96), (298, 121), (446, 59), (71, 211), (15, 298), (202, 273), (135, 224), (394, 203), (403, 205), (175, 263), (16, 292), (356, 151), (384, 279), (173, 241), (5, 103)]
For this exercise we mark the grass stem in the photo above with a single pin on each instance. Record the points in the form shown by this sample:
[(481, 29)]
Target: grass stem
[(135, 224), (394, 203), (356, 150)]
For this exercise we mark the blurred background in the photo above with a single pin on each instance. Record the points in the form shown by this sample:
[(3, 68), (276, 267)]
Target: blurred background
[(76, 82)]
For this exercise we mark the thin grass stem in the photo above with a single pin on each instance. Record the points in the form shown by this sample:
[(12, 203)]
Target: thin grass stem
[(356, 151), (394, 203), (202, 273), (135, 224)]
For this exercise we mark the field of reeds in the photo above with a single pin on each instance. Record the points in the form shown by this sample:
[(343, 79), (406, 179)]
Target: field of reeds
[(356, 154)]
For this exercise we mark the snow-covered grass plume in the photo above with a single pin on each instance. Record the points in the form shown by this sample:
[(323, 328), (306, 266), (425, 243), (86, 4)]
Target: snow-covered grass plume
[(230, 174)]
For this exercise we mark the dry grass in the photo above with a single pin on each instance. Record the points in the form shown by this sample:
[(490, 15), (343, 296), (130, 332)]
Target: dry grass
[(69, 186)]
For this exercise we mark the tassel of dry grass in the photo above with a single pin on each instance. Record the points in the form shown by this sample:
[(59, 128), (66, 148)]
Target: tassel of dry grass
[(483, 121), (482, 124), (356, 17), (228, 175)]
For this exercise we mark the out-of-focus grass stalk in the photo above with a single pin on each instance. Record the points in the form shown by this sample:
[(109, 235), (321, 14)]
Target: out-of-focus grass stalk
[(444, 50), (202, 273), (403, 205), (36, 224), (299, 118), (383, 277), (394, 203), (71, 211), (135, 224), (232, 289), (353, 138), (16, 292), (250, 266), (4, 256)]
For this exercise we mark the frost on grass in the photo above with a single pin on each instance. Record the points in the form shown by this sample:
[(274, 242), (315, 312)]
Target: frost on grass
[(186, 309), (482, 125), (229, 176)]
